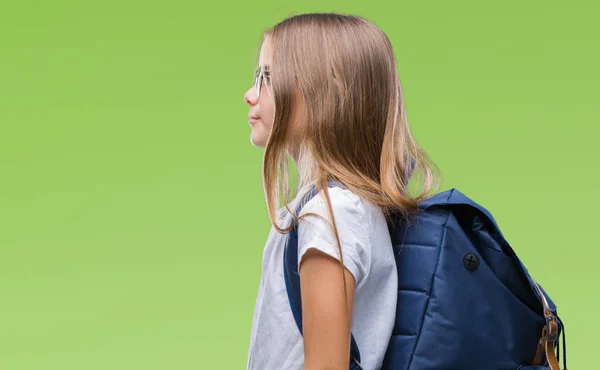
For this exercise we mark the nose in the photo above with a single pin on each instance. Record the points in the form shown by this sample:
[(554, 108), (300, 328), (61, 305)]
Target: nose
[(250, 96)]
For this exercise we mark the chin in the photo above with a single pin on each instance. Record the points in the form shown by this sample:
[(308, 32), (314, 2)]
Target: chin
[(258, 142)]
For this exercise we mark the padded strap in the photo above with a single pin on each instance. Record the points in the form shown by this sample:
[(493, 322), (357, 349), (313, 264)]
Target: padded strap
[(292, 278)]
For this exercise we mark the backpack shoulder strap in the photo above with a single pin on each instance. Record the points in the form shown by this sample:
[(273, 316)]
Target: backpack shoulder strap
[(292, 277)]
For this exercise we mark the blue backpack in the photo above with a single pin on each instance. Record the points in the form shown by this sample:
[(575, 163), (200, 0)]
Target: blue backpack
[(465, 300)]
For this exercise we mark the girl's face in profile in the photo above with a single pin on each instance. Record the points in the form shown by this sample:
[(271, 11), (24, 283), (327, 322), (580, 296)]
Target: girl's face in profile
[(260, 100)]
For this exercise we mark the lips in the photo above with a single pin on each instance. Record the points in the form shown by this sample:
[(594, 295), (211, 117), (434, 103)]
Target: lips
[(253, 117)]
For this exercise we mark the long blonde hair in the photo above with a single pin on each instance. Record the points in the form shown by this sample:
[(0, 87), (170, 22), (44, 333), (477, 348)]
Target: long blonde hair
[(355, 130)]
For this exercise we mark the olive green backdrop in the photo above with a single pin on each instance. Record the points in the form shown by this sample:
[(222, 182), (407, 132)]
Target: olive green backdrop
[(132, 218)]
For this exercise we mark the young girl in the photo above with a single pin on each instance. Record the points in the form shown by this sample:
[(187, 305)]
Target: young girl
[(327, 94)]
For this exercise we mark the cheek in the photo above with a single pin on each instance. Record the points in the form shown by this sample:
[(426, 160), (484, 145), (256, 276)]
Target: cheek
[(268, 115), (268, 106)]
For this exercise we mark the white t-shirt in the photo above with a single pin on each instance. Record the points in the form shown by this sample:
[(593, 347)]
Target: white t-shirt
[(275, 342)]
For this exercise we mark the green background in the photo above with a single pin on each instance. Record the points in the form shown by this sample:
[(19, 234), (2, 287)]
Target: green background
[(132, 218)]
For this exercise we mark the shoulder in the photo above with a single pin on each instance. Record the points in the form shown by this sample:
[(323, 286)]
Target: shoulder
[(355, 218), (316, 232), (362, 231), (347, 206)]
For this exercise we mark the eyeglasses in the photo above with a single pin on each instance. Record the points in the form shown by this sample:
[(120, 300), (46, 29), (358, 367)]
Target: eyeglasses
[(258, 79)]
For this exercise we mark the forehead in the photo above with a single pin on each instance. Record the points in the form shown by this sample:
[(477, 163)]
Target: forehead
[(265, 54)]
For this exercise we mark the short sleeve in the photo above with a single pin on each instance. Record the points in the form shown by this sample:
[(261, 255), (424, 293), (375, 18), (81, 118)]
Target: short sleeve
[(349, 214)]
